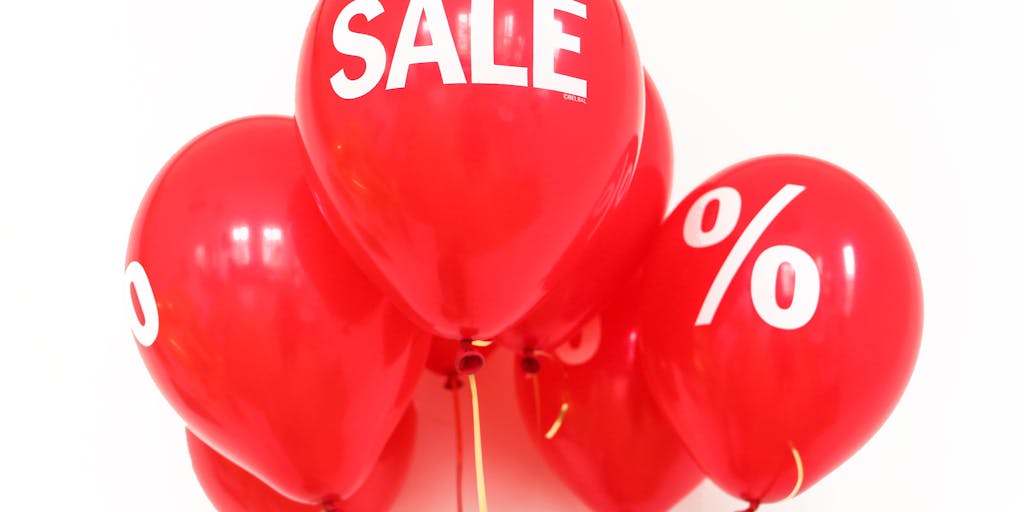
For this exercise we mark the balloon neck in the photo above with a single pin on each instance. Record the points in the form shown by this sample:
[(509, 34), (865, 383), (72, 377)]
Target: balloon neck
[(331, 505), (754, 505), (453, 382), (469, 360), (529, 363)]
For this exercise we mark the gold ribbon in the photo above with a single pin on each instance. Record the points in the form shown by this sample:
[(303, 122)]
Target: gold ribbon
[(557, 425), (799, 472), (564, 408), (478, 451)]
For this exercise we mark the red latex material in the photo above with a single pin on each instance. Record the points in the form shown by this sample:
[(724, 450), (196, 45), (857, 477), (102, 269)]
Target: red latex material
[(615, 250), (232, 489), (468, 201), (744, 394), (615, 449), (272, 345)]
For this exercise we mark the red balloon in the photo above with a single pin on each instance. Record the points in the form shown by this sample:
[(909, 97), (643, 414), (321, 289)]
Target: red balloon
[(467, 151), (256, 325), (232, 489), (614, 448), (782, 318), (616, 248)]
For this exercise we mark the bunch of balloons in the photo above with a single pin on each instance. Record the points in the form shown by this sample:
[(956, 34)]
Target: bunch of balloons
[(467, 172)]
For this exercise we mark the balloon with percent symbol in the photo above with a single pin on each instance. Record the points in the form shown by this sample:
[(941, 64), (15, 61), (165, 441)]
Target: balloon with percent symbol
[(591, 414), (781, 322), (233, 489), (254, 323), (616, 248), (466, 150)]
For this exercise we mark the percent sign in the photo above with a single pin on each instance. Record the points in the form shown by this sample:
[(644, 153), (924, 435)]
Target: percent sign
[(764, 279)]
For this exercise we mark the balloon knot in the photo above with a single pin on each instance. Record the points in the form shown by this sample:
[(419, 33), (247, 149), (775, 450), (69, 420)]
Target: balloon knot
[(331, 505), (754, 505), (469, 360), (453, 382), (529, 363)]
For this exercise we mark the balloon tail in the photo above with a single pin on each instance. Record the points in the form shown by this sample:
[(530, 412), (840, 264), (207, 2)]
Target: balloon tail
[(454, 384), (799, 461), (469, 360), (481, 487), (754, 505), (529, 364)]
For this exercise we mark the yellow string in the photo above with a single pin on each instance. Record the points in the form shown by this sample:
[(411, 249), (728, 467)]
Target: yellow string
[(799, 473), (481, 487), (536, 398), (454, 384), (564, 409), (547, 355), (482, 343)]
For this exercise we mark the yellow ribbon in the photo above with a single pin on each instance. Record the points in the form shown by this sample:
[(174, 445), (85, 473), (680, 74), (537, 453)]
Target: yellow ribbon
[(564, 409), (799, 472), (478, 451), (553, 431)]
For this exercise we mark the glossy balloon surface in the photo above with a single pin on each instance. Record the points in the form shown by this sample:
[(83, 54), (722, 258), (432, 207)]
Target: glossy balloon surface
[(233, 489), (615, 249), (256, 325), (466, 151), (614, 447), (782, 320)]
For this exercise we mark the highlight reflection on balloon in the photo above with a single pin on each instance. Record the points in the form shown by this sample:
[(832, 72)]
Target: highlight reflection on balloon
[(256, 325), (464, 151)]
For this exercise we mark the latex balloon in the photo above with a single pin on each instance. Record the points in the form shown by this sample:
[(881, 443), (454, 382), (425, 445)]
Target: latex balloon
[(232, 489), (616, 248), (781, 322), (466, 151), (630, 459), (256, 325)]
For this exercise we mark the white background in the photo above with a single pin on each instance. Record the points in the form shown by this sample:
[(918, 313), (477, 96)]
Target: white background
[(920, 98)]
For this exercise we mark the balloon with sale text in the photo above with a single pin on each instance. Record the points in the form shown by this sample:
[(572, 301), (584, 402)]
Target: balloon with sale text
[(781, 321), (465, 150), (256, 325)]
